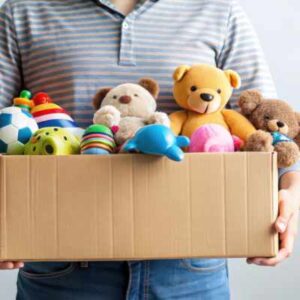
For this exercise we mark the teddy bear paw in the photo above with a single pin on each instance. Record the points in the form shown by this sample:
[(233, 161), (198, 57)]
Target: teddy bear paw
[(287, 154), (107, 115), (260, 141), (123, 135), (159, 118)]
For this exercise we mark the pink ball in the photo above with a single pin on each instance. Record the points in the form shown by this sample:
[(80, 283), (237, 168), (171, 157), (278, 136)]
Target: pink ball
[(213, 138)]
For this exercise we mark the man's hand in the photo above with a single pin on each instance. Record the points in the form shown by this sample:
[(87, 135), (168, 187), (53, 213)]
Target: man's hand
[(10, 265), (287, 222)]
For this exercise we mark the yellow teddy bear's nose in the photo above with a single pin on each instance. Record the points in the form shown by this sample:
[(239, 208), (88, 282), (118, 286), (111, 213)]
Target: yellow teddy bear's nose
[(206, 97)]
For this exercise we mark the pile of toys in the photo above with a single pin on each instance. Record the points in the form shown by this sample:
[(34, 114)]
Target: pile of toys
[(127, 120)]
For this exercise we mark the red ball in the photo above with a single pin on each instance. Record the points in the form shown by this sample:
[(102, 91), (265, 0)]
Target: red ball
[(41, 98)]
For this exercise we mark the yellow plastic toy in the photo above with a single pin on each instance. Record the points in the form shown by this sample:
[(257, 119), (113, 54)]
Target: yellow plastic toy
[(52, 141)]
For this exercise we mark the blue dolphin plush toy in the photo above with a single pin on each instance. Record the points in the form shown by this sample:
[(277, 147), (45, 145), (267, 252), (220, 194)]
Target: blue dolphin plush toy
[(157, 139)]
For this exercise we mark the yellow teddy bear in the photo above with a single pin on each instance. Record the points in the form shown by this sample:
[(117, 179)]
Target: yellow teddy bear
[(203, 92)]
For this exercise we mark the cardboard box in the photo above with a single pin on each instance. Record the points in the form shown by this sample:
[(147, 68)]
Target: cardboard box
[(133, 206)]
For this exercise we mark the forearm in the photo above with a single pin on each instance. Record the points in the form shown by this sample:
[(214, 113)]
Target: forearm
[(291, 181)]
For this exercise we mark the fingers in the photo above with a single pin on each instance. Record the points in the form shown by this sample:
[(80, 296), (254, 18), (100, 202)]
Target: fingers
[(19, 265), (10, 265), (286, 245), (286, 208), (287, 239), (269, 262)]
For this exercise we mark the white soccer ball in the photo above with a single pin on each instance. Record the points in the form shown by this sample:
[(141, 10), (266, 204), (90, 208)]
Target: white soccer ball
[(16, 128)]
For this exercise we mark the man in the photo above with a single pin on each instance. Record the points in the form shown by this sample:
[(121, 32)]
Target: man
[(70, 49)]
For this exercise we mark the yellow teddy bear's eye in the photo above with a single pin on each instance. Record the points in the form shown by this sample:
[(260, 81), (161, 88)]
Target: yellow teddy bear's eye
[(219, 91)]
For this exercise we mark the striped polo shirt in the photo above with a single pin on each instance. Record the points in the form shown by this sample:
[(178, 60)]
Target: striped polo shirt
[(72, 48)]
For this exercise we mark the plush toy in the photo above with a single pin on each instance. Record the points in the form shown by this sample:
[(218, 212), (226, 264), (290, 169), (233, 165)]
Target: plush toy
[(52, 141), (277, 124), (203, 92), (16, 125), (128, 107), (214, 138), (157, 139), (97, 139), (49, 114)]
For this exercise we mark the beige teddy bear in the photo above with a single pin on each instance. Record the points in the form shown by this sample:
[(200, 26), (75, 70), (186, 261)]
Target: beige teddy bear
[(129, 107)]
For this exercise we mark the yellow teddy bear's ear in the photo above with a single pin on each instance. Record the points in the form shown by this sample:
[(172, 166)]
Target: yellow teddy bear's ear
[(234, 78), (180, 72)]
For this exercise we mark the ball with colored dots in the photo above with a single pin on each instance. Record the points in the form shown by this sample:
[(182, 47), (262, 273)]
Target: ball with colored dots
[(52, 141)]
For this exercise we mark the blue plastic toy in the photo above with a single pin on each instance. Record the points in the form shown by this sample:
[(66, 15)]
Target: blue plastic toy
[(157, 139)]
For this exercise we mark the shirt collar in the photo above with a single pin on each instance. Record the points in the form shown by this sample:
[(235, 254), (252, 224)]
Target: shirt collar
[(110, 6)]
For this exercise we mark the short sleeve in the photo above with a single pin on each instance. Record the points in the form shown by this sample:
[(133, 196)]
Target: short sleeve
[(293, 168)]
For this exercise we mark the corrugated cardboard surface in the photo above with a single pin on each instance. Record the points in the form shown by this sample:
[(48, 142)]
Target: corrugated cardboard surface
[(133, 206)]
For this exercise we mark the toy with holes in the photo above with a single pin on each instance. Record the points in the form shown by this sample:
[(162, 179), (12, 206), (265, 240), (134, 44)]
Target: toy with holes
[(52, 141), (17, 125), (48, 114), (157, 139), (98, 139)]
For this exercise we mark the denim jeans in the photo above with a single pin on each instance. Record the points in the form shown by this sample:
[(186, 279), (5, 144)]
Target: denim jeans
[(135, 280)]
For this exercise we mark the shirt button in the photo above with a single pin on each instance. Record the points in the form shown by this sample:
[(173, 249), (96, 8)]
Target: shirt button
[(125, 25)]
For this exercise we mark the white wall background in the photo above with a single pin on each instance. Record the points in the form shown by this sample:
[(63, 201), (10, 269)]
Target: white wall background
[(278, 25)]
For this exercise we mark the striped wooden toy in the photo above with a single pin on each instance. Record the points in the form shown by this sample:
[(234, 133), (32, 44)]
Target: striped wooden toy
[(97, 139)]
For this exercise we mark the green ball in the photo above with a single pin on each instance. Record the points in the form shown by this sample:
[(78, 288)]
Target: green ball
[(25, 94), (98, 128)]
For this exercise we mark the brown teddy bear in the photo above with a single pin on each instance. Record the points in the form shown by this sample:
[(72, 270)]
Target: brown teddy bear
[(129, 107), (277, 124), (203, 92)]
